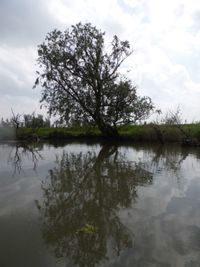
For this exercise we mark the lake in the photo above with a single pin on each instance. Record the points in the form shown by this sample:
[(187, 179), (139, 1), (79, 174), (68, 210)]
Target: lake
[(78, 204)]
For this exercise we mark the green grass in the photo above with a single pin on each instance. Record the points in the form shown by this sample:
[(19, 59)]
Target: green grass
[(59, 133), (136, 133)]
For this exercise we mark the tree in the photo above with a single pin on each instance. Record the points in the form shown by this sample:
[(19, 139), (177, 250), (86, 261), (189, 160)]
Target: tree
[(33, 121), (15, 121), (81, 81), (5, 123)]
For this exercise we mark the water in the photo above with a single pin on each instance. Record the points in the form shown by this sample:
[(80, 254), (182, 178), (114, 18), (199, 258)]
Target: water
[(99, 205)]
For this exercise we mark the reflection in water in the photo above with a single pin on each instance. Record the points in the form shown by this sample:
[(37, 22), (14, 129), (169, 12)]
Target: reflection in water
[(95, 206), (169, 159), (22, 151), (81, 200)]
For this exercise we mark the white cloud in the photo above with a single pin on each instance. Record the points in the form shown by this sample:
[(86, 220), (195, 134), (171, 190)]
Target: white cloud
[(21, 105), (18, 64), (165, 37)]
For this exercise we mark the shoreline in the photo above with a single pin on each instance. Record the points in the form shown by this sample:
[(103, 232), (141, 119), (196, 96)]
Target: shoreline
[(186, 134)]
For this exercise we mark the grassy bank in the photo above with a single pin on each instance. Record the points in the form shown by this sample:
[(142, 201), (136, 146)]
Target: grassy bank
[(161, 133), (136, 133), (59, 133)]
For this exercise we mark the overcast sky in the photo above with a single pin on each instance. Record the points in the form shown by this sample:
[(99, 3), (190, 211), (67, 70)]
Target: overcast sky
[(165, 37)]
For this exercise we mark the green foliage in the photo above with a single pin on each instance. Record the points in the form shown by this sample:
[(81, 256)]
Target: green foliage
[(33, 121), (81, 81), (136, 133), (87, 229), (59, 133)]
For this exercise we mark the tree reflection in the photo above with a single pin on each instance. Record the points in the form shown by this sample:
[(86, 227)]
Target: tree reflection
[(169, 159), (81, 198), (22, 151)]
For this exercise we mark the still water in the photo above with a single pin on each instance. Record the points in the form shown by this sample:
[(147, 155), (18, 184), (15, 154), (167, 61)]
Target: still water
[(99, 205)]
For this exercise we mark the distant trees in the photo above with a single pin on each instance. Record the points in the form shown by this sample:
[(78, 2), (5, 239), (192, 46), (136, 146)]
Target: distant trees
[(15, 120), (26, 120), (33, 121), (5, 123), (81, 81)]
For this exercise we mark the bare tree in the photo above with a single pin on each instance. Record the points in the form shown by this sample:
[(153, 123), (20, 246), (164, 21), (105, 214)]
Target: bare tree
[(15, 121)]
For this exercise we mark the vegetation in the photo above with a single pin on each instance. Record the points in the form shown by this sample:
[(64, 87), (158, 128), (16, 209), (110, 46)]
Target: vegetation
[(10, 128), (26, 120), (81, 81), (33, 121), (166, 130), (135, 133), (82, 84)]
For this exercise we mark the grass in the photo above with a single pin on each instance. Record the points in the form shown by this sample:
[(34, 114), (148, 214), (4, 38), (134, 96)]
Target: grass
[(59, 133), (135, 133)]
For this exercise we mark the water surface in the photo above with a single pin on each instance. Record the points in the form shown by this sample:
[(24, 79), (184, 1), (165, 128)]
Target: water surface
[(99, 205)]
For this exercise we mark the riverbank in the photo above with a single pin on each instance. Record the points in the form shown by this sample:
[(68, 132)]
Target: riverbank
[(136, 133)]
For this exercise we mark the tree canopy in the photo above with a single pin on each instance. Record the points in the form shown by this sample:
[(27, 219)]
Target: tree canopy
[(81, 80)]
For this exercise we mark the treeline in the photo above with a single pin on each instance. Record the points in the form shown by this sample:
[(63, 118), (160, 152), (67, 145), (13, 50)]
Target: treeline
[(168, 128), (26, 120)]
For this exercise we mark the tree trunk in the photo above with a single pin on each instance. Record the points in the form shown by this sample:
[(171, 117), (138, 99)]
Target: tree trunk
[(108, 131)]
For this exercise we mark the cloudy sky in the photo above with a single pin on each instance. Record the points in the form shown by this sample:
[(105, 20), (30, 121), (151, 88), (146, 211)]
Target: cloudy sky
[(164, 35)]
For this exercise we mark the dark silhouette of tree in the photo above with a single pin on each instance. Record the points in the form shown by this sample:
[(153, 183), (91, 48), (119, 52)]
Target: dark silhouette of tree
[(82, 195), (81, 81), (15, 121)]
